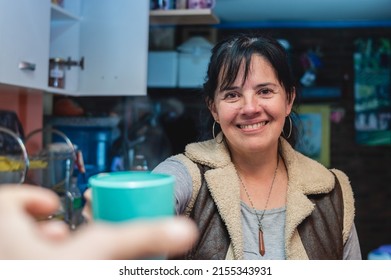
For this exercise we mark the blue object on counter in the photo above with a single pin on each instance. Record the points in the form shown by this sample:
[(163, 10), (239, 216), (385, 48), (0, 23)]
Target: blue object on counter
[(94, 142), (381, 253), (82, 179), (94, 136)]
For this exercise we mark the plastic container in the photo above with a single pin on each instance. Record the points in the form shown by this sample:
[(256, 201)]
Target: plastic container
[(94, 142), (201, 4), (381, 253), (57, 69), (161, 4), (193, 59), (162, 69), (128, 195), (93, 136)]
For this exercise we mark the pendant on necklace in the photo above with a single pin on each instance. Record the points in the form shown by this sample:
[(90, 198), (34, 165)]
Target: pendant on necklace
[(261, 243)]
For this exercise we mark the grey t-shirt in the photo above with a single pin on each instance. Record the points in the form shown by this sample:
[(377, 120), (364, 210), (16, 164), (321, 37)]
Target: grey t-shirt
[(273, 221), (273, 225)]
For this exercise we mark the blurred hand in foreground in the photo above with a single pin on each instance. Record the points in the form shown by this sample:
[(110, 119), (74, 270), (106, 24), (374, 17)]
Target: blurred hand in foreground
[(22, 237)]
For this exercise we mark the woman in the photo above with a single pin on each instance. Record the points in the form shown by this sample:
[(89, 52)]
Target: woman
[(252, 195)]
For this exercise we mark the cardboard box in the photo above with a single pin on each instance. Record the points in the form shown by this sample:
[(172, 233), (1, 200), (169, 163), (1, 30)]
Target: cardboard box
[(162, 69)]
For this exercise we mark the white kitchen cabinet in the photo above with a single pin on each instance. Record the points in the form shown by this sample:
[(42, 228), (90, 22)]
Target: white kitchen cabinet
[(111, 37), (24, 42)]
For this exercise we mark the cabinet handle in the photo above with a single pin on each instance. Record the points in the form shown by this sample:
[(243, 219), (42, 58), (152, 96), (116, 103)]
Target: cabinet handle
[(24, 65)]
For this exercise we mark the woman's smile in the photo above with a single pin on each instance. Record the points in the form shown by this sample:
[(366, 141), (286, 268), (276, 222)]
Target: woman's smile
[(253, 126)]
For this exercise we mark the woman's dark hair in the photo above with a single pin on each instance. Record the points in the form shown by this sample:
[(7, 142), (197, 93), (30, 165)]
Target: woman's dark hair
[(226, 59)]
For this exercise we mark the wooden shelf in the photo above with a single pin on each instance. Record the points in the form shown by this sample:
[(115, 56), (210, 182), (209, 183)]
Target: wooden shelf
[(182, 17)]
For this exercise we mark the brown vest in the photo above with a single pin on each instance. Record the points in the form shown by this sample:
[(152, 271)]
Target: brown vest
[(321, 232)]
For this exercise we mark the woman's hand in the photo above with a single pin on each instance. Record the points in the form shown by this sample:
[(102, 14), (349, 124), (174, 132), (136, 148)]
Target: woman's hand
[(22, 237)]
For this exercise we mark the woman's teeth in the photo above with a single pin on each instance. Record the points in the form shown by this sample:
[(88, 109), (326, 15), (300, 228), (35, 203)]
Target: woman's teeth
[(252, 126)]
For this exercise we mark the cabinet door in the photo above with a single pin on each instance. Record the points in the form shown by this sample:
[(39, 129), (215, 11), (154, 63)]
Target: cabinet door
[(114, 43), (24, 42)]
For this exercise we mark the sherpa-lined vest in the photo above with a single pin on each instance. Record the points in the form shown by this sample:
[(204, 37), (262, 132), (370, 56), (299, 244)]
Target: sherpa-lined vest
[(321, 232)]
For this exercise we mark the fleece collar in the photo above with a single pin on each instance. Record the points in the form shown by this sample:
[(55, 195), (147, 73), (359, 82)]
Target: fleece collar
[(305, 177)]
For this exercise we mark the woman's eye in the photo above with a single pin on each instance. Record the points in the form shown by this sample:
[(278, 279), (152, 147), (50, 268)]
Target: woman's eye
[(266, 91), (230, 95)]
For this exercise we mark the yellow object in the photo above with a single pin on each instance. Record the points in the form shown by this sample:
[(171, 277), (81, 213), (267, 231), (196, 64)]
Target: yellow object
[(38, 164), (7, 164)]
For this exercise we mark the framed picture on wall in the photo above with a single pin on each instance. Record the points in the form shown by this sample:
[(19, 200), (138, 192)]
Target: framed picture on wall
[(373, 107), (314, 132), (372, 91)]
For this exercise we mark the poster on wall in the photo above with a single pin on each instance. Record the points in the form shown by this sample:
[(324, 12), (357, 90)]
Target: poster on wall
[(314, 132), (372, 91)]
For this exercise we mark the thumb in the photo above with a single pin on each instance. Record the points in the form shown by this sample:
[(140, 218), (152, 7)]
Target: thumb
[(34, 200)]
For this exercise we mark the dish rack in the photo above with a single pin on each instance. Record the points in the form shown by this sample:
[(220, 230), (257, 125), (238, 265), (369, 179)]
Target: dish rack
[(49, 164), (13, 167)]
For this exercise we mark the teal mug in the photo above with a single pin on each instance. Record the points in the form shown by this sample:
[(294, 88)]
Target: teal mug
[(131, 195)]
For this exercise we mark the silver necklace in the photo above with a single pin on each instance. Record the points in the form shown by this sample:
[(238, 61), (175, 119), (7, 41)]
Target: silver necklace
[(262, 249)]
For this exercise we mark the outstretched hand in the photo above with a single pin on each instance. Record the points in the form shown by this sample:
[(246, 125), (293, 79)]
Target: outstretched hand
[(22, 237)]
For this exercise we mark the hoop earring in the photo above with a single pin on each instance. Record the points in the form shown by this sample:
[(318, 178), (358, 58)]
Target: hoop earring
[(290, 128), (213, 133)]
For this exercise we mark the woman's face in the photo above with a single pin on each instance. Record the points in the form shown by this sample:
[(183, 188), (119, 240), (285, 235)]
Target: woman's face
[(252, 114)]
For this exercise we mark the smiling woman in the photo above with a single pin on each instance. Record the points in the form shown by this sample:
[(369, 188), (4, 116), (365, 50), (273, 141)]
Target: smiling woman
[(255, 104), (252, 195)]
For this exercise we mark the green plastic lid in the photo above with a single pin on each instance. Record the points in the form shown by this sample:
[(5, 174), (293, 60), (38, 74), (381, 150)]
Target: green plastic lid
[(130, 179)]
